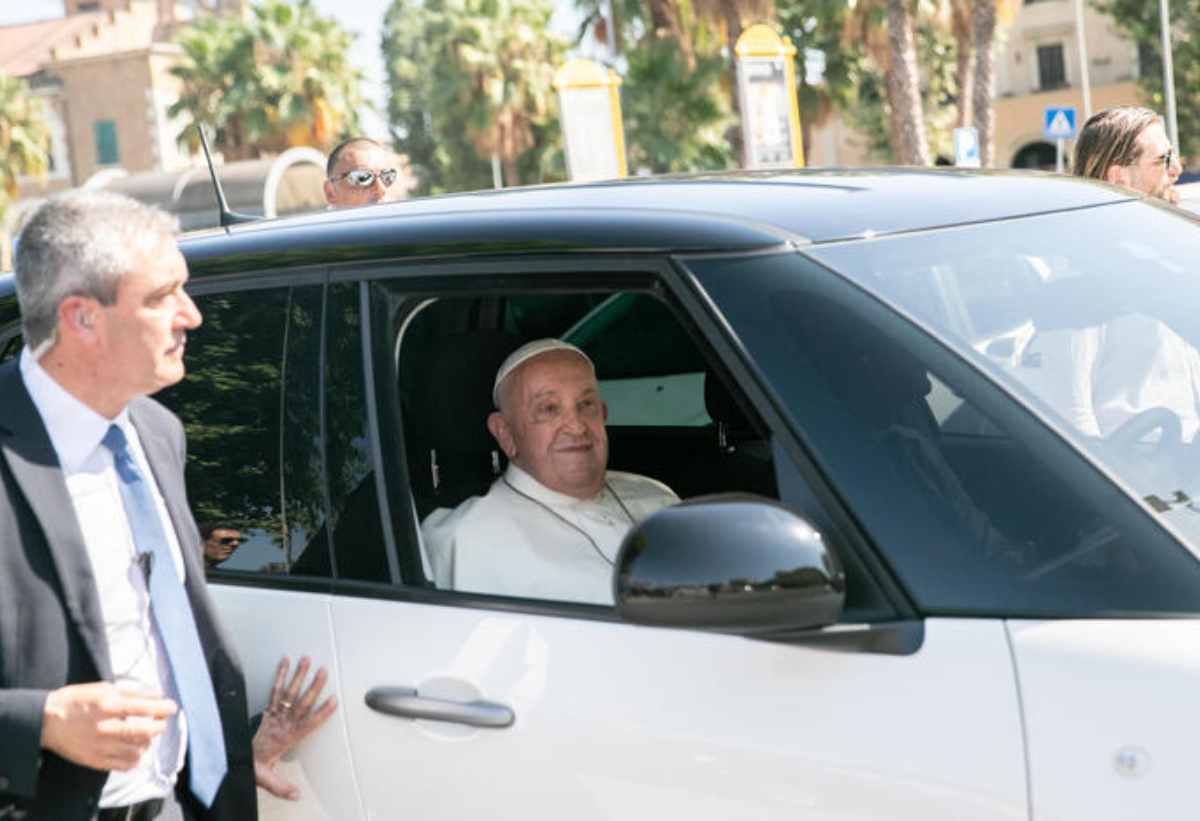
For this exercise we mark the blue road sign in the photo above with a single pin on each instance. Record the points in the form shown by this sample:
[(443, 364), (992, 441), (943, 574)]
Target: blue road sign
[(1059, 122)]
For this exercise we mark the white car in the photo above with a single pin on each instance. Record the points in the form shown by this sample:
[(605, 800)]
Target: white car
[(935, 433), (1189, 196)]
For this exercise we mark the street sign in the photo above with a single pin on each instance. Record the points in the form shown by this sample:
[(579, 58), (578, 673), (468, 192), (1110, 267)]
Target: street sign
[(590, 106), (766, 74), (1059, 122), (966, 147)]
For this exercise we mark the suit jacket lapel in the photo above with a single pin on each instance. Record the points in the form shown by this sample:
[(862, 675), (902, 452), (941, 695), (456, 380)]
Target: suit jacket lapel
[(31, 457), (168, 474)]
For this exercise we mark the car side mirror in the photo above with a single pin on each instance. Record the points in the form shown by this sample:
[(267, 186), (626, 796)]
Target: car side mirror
[(732, 563)]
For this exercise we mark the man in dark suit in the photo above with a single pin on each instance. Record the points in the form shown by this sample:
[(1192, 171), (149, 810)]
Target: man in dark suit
[(120, 695)]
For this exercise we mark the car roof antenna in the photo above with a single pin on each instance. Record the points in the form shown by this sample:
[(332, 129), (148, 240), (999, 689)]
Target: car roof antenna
[(227, 217)]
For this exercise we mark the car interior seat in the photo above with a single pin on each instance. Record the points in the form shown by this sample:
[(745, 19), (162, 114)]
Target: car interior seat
[(743, 456), (451, 454)]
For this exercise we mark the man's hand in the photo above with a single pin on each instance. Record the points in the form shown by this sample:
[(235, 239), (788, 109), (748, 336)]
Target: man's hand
[(102, 727), (288, 720)]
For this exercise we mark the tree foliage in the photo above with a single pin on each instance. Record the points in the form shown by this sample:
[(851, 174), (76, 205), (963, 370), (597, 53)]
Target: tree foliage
[(816, 28), (24, 137), (678, 95), (676, 117), (281, 78), (1140, 22), (470, 79)]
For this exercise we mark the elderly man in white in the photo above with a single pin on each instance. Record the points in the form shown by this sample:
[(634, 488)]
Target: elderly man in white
[(550, 527)]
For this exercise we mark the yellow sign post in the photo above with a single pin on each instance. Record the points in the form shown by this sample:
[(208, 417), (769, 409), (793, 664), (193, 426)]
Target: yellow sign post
[(590, 106), (766, 71)]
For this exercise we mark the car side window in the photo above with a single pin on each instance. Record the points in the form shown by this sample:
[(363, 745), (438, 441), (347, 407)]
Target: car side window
[(249, 404), (493, 528), (652, 375), (10, 348)]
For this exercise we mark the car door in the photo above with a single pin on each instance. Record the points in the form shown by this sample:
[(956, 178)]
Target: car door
[(551, 709), (253, 407)]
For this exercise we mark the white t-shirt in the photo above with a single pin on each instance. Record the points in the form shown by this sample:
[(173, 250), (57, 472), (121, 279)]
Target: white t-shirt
[(516, 540)]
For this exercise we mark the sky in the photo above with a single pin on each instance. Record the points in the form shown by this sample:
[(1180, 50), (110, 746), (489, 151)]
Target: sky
[(363, 17)]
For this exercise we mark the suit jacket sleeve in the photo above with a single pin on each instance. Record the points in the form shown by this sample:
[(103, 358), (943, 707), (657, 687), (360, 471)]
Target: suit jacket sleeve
[(21, 729)]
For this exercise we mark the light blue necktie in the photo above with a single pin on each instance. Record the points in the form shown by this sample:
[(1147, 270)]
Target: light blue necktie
[(176, 627)]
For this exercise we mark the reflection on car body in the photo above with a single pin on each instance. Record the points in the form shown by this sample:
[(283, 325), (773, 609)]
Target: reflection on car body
[(904, 580)]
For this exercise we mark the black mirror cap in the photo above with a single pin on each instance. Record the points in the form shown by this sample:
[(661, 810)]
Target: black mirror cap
[(733, 563)]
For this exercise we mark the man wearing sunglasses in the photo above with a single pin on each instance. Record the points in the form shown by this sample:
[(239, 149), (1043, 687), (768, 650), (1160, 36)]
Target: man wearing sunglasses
[(360, 171), (1127, 145), (219, 542)]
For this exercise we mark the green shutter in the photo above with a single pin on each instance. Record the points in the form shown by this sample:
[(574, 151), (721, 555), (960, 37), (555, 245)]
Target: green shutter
[(106, 143)]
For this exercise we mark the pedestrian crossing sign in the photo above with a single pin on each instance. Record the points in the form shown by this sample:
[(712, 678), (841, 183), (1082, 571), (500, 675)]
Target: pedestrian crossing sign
[(1059, 122)]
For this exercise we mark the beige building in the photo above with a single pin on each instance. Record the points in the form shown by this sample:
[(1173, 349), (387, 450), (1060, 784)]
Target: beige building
[(103, 72), (1037, 65)]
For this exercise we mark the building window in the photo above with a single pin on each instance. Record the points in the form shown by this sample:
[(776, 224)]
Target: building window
[(1052, 70), (106, 143), (1149, 63)]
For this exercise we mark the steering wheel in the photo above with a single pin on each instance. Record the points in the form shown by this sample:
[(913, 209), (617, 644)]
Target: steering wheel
[(1125, 439)]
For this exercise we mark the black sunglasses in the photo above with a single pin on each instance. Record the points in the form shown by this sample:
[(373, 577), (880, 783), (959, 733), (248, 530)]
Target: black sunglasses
[(231, 540), (365, 177)]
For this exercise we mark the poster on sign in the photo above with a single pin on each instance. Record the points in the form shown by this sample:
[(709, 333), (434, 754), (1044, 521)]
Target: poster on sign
[(766, 113)]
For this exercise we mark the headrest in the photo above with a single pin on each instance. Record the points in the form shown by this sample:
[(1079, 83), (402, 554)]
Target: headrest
[(720, 404), (456, 398)]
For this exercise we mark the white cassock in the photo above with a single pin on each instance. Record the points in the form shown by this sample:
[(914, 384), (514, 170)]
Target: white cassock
[(1100, 377), (516, 540)]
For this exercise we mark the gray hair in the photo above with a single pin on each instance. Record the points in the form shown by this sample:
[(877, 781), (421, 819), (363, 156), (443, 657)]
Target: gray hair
[(80, 244)]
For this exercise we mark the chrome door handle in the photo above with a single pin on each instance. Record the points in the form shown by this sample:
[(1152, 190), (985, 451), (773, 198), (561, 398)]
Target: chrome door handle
[(406, 703)]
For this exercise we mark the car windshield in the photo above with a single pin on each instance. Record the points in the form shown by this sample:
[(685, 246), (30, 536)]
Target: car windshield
[(1092, 317), (950, 383)]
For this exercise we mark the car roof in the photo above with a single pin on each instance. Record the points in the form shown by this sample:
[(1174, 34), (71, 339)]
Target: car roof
[(731, 211), (695, 213)]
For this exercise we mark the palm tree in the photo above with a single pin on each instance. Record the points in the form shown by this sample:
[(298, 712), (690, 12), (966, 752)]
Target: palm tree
[(884, 30), (983, 28), (903, 84), (307, 72), (283, 78), (24, 137), (959, 13), (505, 60)]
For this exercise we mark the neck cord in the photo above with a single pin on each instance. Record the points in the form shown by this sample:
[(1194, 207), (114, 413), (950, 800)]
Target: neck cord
[(568, 522)]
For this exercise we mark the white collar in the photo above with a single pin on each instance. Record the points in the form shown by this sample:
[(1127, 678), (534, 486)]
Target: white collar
[(523, 482), (75, 429)]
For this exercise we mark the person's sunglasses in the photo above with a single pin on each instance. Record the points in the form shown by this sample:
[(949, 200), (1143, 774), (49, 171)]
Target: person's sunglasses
[(365, 178), (231, 541)]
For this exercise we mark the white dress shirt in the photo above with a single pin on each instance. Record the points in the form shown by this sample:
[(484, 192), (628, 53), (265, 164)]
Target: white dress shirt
[(139, 661), (1100, 377), (516, 540)]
